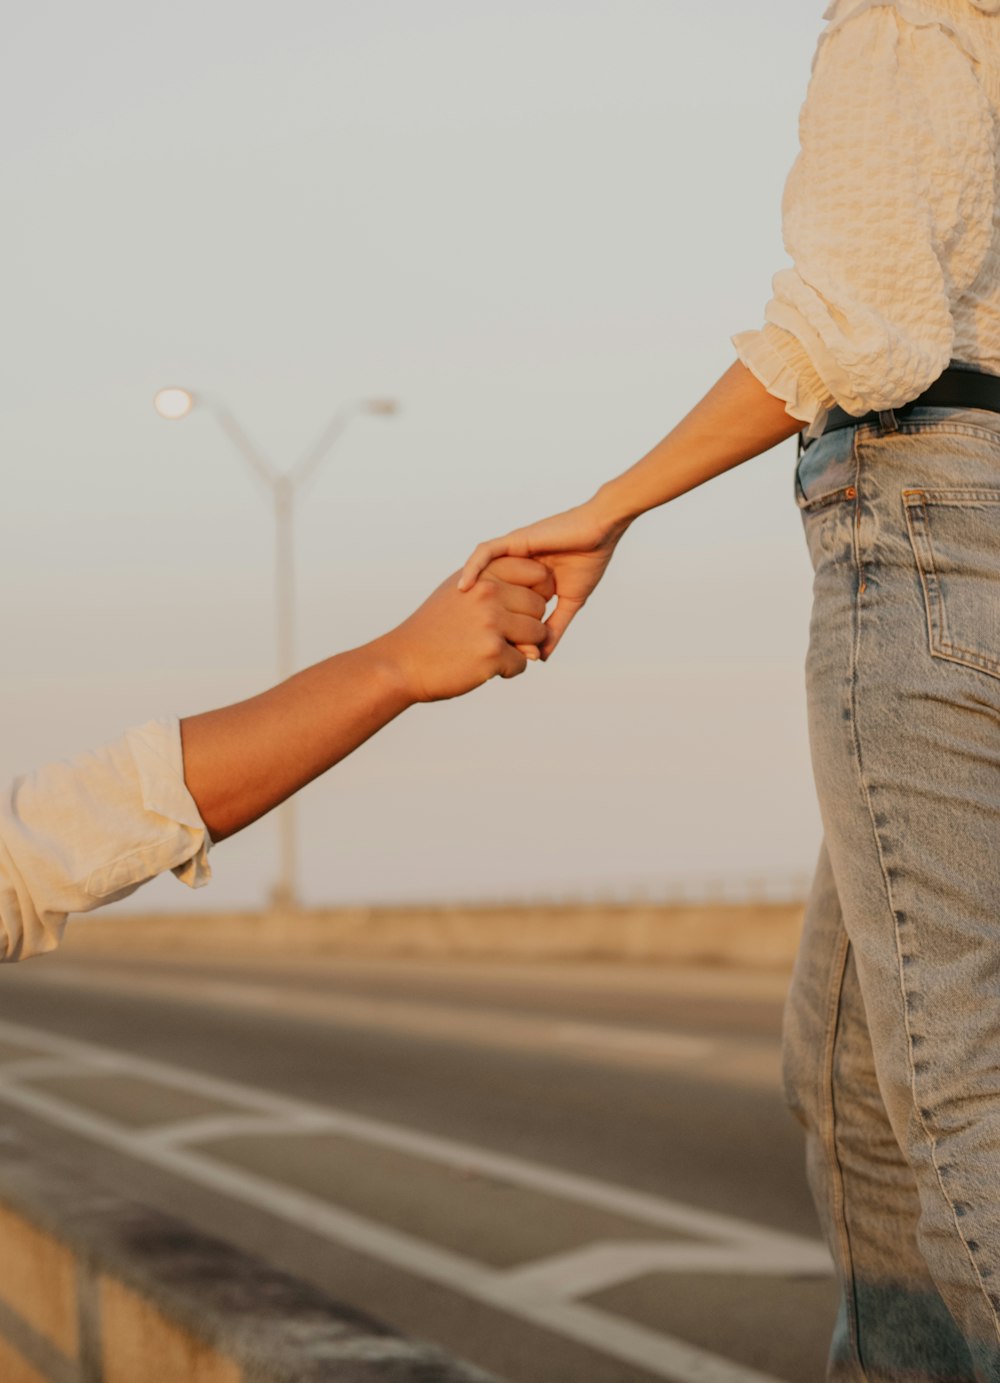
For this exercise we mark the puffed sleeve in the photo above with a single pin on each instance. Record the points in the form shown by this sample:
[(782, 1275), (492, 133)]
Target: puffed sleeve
[(76, 834), (887, 218)]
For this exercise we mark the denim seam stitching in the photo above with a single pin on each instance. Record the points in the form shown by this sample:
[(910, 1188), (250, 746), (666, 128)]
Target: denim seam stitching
[(810, 506), (952, 499), (939, 640), (921, 1122), (871, 431), (838, 1207), (966, 657), (923, 555), (856, 526), (856, 551)]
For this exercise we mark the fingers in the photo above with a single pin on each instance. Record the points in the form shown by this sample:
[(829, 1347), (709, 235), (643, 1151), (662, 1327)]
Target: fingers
[(527, 587), (546, 588), (478, 562), (512, 662), (519, 571), (522, 629), (485, 553), (558, 622), (520, 600)]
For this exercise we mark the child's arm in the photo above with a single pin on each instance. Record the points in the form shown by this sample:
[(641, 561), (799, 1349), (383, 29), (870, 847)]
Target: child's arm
[(241, 761)]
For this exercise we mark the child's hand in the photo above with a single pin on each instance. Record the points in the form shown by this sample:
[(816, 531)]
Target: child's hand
[(458, 640)]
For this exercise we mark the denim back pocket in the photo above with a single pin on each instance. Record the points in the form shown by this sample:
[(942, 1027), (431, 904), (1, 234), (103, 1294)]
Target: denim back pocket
[(955, 536)]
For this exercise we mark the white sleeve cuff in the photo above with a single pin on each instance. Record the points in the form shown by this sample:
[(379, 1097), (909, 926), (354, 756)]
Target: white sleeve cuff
[(159, 760), (780, 362), (75, 835)]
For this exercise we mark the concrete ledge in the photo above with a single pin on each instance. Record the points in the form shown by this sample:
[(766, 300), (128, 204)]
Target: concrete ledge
[(761, 936), (97, 1289)]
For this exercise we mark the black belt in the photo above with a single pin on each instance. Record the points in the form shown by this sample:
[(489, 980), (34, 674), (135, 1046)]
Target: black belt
[(953, 389)]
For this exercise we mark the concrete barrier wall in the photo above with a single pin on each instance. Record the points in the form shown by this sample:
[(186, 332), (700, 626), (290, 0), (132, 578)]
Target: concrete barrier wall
[(97, 1289), (762, 936)]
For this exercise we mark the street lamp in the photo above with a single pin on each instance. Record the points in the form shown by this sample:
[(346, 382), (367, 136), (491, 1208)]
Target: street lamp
[(173, 404)]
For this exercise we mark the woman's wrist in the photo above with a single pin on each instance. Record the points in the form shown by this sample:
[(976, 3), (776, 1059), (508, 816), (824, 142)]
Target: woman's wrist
[(614, 507)]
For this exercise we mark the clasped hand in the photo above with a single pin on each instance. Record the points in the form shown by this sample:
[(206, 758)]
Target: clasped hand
[(491, 622), (575, 547), (455, 642)]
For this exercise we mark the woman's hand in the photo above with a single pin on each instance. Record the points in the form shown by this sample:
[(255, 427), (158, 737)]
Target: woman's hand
[(735, 420), (575, 545)]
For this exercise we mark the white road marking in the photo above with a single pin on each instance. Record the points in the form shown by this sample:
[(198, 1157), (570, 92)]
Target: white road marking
[(594, 1268), (209, 1127), (733, 1243), (653, 1210)]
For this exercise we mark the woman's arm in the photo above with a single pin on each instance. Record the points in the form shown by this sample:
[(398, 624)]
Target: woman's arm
[(736, 420), (864, 317)]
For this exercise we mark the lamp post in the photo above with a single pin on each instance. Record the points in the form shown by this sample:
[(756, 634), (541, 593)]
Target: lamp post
[(175, 404)]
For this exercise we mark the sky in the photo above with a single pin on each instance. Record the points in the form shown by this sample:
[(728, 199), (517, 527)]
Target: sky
[(536, 224)]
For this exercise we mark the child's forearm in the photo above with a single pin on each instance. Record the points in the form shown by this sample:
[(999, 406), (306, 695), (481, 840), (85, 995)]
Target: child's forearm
[(243, 760)]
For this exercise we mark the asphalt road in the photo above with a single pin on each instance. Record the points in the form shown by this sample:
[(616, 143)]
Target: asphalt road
[(565, 1174)]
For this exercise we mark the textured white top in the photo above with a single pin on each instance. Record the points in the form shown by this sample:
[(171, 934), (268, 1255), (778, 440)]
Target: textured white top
[(890, 212), (78, 834)]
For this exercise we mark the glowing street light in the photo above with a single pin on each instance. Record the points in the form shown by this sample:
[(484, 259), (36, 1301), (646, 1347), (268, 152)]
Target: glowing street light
[(173, 404)]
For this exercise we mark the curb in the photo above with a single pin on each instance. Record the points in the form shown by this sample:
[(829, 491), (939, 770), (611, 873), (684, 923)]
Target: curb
[(99, 1289)]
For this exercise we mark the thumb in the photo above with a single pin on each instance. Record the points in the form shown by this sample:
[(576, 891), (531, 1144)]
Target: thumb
[(512, 545), (558, 622)]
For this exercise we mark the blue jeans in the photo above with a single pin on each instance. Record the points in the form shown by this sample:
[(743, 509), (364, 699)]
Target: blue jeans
[(892, 1026)]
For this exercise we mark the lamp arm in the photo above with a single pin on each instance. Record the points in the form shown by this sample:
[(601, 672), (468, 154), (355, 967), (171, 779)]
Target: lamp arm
[(254, 458), (311, 459)]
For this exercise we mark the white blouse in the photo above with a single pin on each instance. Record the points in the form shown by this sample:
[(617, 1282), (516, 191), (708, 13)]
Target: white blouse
[(890, 212), (89, 831)]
